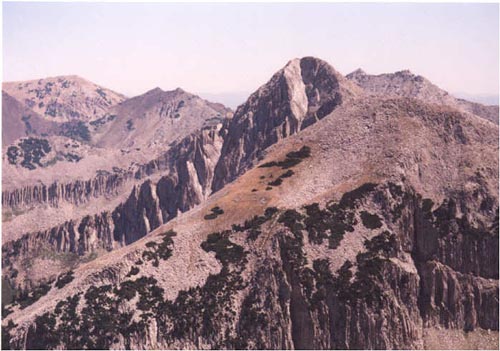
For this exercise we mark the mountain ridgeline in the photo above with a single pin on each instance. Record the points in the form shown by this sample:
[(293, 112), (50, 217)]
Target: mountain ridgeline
[(297, 96), (327, 212)]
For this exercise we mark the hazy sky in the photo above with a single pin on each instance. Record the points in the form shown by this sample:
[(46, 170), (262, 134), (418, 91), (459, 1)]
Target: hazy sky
[(234, 48)]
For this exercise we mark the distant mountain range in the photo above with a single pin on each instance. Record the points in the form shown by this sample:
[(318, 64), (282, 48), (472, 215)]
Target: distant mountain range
[(233, 100), (324, 212), (230, 99), (407, 84), (479, 98)]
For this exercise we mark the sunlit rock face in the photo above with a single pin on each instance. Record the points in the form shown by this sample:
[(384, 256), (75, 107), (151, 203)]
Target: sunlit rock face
[(325, 214)]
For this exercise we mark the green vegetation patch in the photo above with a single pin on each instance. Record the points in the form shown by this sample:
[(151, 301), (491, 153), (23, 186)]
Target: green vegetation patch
[(27, 124), (444, 219), (351, 198), (330, 223), (101, 121), (162, 250), (319, 284), (427, 205), (26, 297), (52, 108), (371, 221), (253, 225), (215, 212), (70, 157), (292, 159), (30, 151), (133, 271), (225, 250), (369, 279), (278, 181), (6, 337), (102, 93), (64, 279), (130, 125), (198, 310), (76, 130)]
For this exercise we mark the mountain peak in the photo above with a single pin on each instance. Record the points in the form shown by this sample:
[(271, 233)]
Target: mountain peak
[(156, 90), (64, 98), (405, 83), (354, 201), (309, 65), (166, 93), (304, 91), (158, 117), (405, 72), (308, 82), (356, 74)]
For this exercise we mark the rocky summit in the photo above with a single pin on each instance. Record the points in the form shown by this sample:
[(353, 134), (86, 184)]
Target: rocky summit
[(326, 212)]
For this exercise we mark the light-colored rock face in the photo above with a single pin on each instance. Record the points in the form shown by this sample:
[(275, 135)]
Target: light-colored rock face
[(296, 89), (303, 92), (373, 226), (407, 84), (415, 264), (64, 98)]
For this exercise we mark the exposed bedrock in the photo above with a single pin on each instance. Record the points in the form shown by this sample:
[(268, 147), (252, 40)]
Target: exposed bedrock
[(297, 96), (76, 192), (187, 183), (289, 288)]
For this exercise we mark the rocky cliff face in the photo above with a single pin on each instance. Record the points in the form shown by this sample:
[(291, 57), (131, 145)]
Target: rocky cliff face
[(73, 158), (303, 92), (290, 279), (76, 193), (386, 223), (188, 169)]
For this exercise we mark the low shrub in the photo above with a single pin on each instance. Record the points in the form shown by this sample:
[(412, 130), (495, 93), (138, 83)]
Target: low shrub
[(292, 159), (64, 279), (276, 182), (370, 221), (350, 198), (225, 250), (133, 271), (162, 250), (215, 212), (27, 298)]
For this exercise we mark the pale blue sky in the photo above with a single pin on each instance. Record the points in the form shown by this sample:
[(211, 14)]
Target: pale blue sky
[(234, 48)]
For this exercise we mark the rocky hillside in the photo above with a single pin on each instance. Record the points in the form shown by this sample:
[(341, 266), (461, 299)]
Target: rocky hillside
[(48, 167), (65, 198), (64, 98), (156, 118), (300, 94), (340, 220), (19, 121), (85, 182), (407, 84)]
